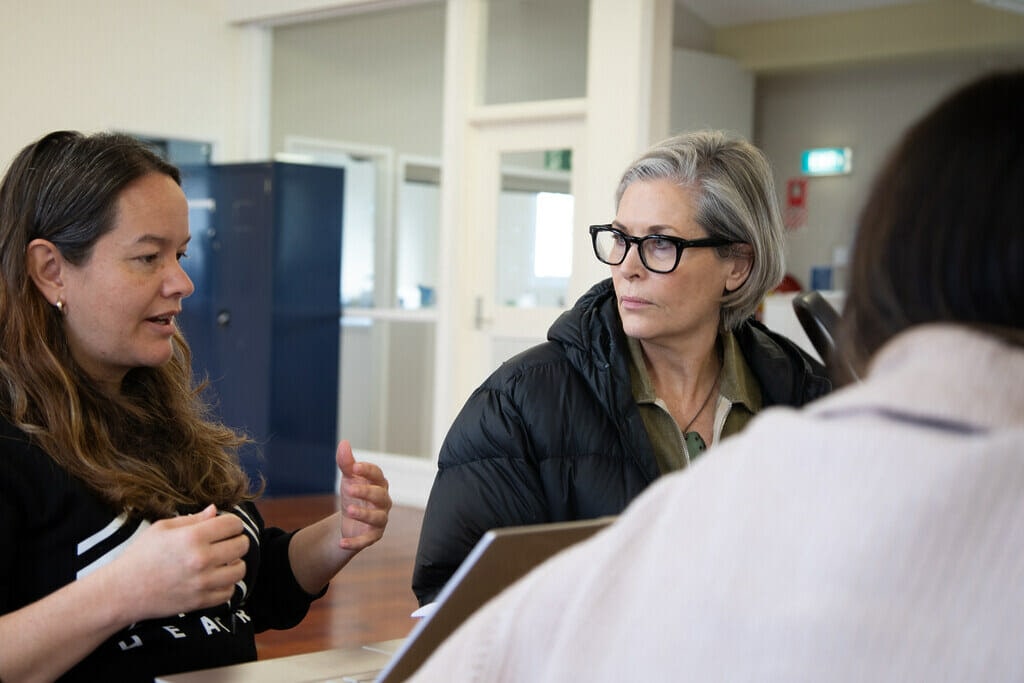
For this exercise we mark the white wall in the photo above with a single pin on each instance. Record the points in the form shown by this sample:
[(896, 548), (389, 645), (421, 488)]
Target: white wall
[(374, 79), (863, 107), (552, 65), (171, 68), (709, 91)]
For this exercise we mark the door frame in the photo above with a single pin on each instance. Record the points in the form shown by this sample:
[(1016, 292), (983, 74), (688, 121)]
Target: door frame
[(626, 108)]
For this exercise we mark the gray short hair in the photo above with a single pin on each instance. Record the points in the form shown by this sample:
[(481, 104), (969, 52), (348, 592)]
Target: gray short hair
[(735, 197)]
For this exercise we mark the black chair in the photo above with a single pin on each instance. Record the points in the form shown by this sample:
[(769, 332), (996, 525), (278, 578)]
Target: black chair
[(821, 323)]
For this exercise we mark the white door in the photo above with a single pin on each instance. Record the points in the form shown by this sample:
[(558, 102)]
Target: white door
[(484, 315), (524, 240)]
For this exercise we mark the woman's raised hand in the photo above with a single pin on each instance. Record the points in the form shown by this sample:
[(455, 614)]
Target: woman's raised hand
[(365, 501)]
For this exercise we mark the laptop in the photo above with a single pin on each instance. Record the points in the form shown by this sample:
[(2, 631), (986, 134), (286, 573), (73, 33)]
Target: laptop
[(499, 558)]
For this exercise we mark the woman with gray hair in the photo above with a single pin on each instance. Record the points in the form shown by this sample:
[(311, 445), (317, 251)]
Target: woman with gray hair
[(874, 535), (647, 370)]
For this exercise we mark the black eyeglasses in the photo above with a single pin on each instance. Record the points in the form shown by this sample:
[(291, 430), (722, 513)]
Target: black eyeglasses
[(658, 253)]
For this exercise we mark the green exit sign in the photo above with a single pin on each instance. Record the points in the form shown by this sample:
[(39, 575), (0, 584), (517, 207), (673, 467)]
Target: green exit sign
[(826, 161)]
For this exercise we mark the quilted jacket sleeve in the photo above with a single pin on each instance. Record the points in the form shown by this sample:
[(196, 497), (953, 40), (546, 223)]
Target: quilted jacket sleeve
[(486, 478)]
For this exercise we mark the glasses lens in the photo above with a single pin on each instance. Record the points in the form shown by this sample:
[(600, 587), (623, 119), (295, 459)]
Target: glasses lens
[(609, 246), (659, 254)]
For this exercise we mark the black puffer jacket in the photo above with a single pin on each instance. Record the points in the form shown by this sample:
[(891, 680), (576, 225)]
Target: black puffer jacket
[(554, 433)]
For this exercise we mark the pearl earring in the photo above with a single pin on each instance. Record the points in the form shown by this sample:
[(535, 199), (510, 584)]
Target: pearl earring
[(60, 306)]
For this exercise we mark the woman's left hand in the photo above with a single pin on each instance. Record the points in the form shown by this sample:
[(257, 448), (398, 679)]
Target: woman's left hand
[(365, 501)]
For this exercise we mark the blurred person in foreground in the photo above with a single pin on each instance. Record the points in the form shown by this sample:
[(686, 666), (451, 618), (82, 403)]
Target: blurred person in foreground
[(645, 372), (875, 534), (132, 546)]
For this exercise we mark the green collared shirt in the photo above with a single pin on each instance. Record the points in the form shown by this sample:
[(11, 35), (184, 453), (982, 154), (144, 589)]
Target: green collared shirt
[(739, 399)]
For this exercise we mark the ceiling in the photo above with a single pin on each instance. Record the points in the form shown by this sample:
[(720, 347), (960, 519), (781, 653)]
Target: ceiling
[(719, 13)]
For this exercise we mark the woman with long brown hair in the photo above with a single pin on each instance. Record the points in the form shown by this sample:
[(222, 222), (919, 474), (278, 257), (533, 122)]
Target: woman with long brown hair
[(132, 544)]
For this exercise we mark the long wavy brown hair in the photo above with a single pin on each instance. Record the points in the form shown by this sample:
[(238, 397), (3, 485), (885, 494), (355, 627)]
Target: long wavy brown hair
[(155, 449)]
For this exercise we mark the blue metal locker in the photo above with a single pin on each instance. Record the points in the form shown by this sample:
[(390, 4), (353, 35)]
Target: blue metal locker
[(265, 257)]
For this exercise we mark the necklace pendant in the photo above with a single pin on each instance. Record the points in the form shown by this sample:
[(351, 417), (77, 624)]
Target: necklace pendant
[(694, 444)]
